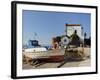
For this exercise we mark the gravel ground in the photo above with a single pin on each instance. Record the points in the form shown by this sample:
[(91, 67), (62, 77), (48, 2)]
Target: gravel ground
[(82, 63)]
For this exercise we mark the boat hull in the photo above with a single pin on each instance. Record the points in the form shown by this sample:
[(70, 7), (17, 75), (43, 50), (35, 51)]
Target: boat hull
[(57, 58), (46, 56)]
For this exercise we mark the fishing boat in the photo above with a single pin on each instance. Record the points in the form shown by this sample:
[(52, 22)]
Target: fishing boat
[(41, 53)]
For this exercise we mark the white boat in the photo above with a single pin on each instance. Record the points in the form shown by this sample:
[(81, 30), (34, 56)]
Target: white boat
[(51, 55), (38, 52)]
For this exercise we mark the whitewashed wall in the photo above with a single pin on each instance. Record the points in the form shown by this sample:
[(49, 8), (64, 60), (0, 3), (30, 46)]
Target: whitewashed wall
[(70, 30)]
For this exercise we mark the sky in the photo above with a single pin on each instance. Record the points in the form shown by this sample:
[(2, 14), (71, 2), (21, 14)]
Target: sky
[(44, 25)]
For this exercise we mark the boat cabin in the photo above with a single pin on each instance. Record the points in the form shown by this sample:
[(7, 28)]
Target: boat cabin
[(33, 43)]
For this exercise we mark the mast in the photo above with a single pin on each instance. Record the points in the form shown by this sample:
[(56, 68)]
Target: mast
[(35, 34)]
